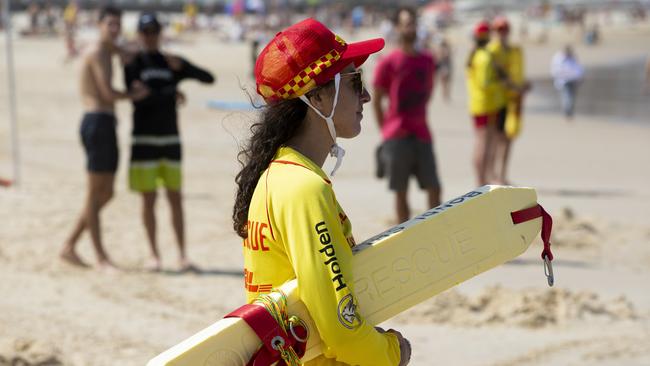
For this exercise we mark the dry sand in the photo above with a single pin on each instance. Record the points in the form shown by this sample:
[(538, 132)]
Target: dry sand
[(591, 174)]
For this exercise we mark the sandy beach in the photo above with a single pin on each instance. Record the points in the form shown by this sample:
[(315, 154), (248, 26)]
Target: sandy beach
[(591, 174)]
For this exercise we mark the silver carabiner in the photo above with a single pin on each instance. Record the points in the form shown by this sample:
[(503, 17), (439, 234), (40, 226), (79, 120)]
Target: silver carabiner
[(548, 271), (293, 332)]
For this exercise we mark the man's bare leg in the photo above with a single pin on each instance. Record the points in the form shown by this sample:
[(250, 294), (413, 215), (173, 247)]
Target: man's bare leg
[(480, 154), (402, 206), (501, 149), (100, 192), (175, 199), (491, 141), (149, 221), (505, 157), (484, 152), (69, 253), (433, 194)]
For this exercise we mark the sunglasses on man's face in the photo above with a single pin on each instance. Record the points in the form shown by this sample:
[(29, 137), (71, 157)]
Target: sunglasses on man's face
[(357, 80)]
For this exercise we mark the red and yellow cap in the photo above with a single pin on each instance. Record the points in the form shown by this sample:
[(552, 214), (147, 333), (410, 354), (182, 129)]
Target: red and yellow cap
[(500, 24), (306, 55), (482, 30)]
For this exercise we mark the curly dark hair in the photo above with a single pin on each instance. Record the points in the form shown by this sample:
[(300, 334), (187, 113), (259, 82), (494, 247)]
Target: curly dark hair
[(278, 123)]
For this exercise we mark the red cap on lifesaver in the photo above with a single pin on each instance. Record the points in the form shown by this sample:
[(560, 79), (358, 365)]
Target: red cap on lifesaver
[(482, 30), (500, 24)]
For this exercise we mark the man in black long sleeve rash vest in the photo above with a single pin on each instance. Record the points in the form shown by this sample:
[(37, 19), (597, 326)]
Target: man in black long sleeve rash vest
[(155, 143)]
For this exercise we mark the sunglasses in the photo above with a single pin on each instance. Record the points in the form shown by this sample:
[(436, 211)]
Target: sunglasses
[(357, 80)]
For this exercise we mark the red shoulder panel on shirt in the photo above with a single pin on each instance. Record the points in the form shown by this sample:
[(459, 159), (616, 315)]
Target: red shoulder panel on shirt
[(298, 164)]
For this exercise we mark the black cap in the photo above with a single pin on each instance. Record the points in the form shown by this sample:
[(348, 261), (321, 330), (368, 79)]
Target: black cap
[(148, 22)]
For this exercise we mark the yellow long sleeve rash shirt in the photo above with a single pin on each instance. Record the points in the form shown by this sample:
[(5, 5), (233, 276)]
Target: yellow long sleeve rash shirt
[(483, 85), (297, 229)]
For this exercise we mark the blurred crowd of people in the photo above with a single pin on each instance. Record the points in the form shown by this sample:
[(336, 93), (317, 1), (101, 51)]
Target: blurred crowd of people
[(403, 85)]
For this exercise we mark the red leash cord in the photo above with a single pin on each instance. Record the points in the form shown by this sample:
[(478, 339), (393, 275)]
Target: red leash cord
[(547, 225)]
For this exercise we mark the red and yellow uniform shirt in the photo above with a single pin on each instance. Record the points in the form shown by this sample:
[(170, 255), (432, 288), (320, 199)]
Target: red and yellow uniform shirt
[(510, 59), (296, 229), (483, 85)]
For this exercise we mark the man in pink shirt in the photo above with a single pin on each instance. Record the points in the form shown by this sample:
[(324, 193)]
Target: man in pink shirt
[(406, 77)]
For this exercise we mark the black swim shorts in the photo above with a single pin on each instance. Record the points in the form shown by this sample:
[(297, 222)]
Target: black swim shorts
[(100, 142)]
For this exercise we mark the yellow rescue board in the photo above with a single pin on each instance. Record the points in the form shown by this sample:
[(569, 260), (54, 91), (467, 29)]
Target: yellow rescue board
[(393, 271)]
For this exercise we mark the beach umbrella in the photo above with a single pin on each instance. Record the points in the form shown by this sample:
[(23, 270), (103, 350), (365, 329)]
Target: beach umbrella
[(11, 84)]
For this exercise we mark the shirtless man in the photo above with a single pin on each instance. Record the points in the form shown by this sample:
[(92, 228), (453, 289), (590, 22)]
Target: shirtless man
[(98, 134), (70, 20)]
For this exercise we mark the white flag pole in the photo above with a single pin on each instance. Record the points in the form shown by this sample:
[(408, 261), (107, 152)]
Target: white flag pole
[(15, 151)]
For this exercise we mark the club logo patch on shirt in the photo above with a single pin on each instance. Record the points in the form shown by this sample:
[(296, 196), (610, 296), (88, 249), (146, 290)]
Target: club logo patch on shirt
[(155, 73), (348, 312)]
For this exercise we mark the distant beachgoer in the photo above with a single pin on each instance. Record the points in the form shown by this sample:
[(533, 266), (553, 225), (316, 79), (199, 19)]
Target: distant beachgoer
[(5, 182), (357, 17), (191, 10), (444, 68), (259, 36), (255, 51), (70, 18), (485, 99), (647, 76), (386, 28), (406, 77), (592, 35), (500, 101), (509, 59), (155, 144), (50, 18), (567, 74), (34, 11), (424, 36), (98, 134), (523, 28)]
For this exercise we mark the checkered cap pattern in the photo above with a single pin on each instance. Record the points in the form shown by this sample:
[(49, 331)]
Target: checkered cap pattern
[(302, 82), (297, 60)]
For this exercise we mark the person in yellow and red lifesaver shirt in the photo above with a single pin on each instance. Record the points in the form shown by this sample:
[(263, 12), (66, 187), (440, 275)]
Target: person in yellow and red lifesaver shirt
[(486, 100), (286, 210), (509, 58)]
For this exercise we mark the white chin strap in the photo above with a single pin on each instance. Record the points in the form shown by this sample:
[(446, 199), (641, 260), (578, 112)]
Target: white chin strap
[(336, 150)]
